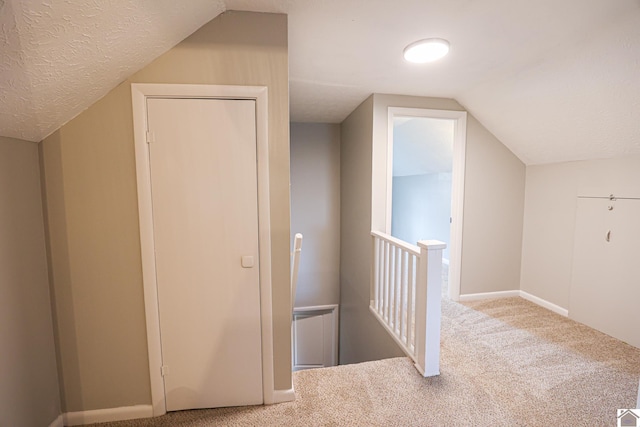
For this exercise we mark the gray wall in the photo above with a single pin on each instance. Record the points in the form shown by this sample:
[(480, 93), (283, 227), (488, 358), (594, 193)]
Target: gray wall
[(361, 336), (494, 188), (493, 198), (492, 228), (549, 218), (315, 210), (92, 212), (29, 393)]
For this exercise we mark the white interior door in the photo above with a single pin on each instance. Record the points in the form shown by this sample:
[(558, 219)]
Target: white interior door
[(205, 220)]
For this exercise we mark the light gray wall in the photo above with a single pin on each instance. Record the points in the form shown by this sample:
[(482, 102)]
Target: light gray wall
[(29, 393), (422, 208), (549, 218), (92, 212), (493, 214), (492, 229), (493, 198), (315, 210), (361, 336)]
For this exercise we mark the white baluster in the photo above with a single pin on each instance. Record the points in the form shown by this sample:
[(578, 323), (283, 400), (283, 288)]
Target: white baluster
[(403, 297), (392, 284), (375, 272), (386, 281), (410, 303)]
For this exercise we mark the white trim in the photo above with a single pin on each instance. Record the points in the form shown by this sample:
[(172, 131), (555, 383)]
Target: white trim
[(489, 295), (457, 184), (457, 204), (328, 307), (517, 293), (405, 246), (391, 113), (544, 303), (281, 396), (140, 92), (107, 415), (330, 336), (58, 422)]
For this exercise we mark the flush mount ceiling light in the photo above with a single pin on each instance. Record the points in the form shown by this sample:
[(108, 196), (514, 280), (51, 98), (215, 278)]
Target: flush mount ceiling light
[(427, 50)]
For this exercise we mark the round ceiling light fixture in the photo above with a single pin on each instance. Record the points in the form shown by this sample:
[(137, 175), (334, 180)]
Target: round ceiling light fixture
[(427, 50)]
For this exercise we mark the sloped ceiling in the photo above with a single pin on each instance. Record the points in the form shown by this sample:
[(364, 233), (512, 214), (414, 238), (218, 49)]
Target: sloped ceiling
[(58, 57), (553, 80)]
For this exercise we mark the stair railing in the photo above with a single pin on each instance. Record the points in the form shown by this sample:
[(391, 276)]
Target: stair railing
[(406, 287)]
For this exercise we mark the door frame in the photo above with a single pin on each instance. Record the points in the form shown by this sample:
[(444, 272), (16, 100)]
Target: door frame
[(140, 92), (457, 182)]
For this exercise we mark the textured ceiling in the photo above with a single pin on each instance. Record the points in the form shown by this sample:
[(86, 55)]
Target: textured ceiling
[(58, 57), (553, 80)]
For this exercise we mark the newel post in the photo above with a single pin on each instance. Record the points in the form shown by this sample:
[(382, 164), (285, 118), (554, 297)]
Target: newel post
[(428, 307)]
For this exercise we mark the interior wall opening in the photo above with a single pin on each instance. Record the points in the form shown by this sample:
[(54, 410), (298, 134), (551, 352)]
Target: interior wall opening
[(424, 173)]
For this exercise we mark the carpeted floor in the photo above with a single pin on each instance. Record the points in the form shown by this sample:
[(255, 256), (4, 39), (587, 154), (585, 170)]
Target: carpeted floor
[(504, 362)]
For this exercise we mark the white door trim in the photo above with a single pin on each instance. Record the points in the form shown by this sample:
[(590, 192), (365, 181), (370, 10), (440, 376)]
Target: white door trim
[(140, 92), (457, 185)]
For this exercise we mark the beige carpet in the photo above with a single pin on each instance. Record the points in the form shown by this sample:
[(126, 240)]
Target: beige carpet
[(505, 362)]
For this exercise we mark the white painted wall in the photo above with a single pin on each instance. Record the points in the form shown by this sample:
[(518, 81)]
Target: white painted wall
[(29, 393), (315, 210), (549, 218)]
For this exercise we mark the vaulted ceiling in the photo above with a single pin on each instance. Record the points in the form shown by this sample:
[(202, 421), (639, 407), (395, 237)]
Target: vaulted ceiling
[(554, 80)]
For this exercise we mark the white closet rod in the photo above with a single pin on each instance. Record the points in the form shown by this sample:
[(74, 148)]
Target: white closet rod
[(611, 197)]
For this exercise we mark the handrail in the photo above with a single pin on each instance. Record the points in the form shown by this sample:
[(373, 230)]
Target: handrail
[(412, 249), (406, 291), (295, 265)]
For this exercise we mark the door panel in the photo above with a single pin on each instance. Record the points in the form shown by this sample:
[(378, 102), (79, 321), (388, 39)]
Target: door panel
[(204, 193), (605, 285), (315, 337)]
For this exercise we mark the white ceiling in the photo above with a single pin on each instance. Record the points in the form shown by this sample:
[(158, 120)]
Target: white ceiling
[(554, 80)]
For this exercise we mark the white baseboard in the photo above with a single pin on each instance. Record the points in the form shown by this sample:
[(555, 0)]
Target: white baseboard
[(544, 303), (280, 396), (489, 295), (518, 293), (58, 422), (134, 412), (108, 415)]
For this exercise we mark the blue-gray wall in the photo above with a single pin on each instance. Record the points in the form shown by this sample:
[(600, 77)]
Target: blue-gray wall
[(421, 208)]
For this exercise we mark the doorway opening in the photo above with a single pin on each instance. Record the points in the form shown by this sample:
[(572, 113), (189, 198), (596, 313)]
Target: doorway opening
[(425, 182)]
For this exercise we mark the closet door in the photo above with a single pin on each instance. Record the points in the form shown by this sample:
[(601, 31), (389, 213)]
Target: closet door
[(205, 219), (605, 288)]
